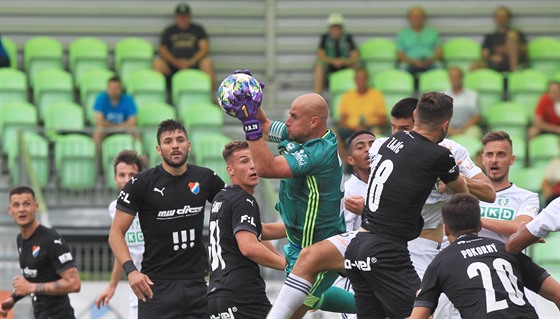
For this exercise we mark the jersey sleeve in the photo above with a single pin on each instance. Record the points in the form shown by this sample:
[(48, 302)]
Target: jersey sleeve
[(430, 290), (131, 196), (446, 168), (533, 274), (277, 132), (244, 213), (216, 186), (547, 221), (467, 167), (165, 38), (60, 255), (322, 41), (351, 42), (530, 206)]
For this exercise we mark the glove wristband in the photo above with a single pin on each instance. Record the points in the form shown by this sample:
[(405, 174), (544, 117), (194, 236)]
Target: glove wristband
[(252, 128), (129, 267)]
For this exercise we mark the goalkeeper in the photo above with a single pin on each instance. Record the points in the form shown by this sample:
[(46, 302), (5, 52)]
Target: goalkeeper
[(311, 186)]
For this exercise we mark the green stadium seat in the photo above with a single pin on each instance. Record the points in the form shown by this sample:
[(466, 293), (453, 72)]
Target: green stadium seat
[(16, 115), (189, 87), (63, 116), (149, 116), (471, 143), (378, 54), (11, 48), (547, 255), (340, 82), (461, 52), (87, 53), (529, 178), (41, 53), (52, 85), (75, 164), (544, 55), (525, 88), (208, 149), (555, 76), (542, 149), (132, 54), (520, 152), (490, 87), (110, 147), (92, 83), (203, 116), (146, 86), (395, 85), (13, 85), (434, 80), (509, 117), (38, 149)]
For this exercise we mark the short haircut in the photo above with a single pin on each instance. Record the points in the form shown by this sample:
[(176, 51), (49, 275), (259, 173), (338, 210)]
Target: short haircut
[(493, 136), (232, 147), (22, 190), (404, 108), (115, 78), (130, 157), (455, 68), (414, 8), (505, 9), (434, 108), (356, 134), (461, 214), (170, 125)]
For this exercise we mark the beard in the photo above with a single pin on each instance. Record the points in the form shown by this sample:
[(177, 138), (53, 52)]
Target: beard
[(442, 135), (175, 164)]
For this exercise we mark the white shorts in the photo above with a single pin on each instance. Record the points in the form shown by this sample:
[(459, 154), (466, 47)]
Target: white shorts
[(341, 241), (422, 252)]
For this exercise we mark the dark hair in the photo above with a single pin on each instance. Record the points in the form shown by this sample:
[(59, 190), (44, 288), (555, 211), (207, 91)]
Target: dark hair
[(404, 108), (505, 9), (461, 214), (493, 136), (233, 147), (22, 190), (115, 78), (169, 125), (130, 157), (356, 134), (434, 108)]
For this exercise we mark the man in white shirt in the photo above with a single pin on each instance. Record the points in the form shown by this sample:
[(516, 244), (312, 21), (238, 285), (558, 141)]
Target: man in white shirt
[(466, 112)]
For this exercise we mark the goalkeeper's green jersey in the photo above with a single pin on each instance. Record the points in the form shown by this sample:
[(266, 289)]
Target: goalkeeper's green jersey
[(311, 202)]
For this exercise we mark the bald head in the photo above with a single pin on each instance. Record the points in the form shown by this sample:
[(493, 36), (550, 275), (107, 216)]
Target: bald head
[(313, 105), (308, 117)]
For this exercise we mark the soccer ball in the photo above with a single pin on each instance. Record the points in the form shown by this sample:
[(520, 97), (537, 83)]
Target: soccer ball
[(233, 83)]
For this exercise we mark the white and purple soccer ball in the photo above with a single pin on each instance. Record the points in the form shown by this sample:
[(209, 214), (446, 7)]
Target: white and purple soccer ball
[(237, 82)]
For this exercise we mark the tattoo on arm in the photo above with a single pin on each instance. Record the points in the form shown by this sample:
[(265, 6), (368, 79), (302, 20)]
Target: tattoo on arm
[(59, 286)]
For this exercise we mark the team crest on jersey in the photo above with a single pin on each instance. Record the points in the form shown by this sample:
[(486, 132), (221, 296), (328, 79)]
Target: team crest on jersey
[(503, 200), (35, 251), (195, 187)]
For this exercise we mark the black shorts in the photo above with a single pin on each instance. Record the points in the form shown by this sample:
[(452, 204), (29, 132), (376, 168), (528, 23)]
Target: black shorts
[(238, 307), (381, 272), (185, 299)]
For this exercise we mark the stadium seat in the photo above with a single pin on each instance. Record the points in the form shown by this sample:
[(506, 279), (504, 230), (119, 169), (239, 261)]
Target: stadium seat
[(63, 116), (555, 76), (110, 147), (490, 87), (529, 178), (149, 116), (132, 54), (434, 80), (189, 87), (471, 143), (520, 152), (208, 149), (87, 53), (542, 149), (146, 86), (525, 88), (74, 156), (41, 53), (461, 52), (49, 86), (547, 255), (92, 83), (509, 117), (13, 85), (16, 115), (11, 48), (378, 54), (544, 55), (202, 116), (38, 150), (395, 85), (340, 82)]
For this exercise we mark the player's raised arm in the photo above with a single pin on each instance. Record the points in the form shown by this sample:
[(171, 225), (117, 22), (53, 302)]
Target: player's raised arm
[(252, 248)]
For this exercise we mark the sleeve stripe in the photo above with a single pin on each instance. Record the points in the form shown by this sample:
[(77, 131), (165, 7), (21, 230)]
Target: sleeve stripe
[(276, 130)]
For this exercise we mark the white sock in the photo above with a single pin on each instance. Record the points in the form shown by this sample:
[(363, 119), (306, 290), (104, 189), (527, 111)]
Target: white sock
[(291, 297)]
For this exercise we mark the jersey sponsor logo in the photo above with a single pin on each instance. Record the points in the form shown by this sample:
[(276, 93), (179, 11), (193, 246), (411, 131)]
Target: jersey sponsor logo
[(35, 250), (64, 258), (159, 190), (251, 201), (186, 211), (300, 157), (226, 314), (502, 213), (216, 207), (531, 210), (183, 241), (479, 251), (248, 219), (453, 169), (58, 241), (133, 179), (469, 164), (29, 273), (133, 237), (360, 264), (194, 187), (124, 196), (503, 200)]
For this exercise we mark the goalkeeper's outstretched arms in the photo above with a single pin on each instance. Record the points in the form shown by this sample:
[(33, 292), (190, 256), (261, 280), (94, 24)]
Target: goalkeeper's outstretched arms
[(265, 123)]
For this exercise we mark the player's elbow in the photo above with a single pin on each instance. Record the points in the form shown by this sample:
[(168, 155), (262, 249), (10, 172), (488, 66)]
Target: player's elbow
[(76, 286), (247, 251)]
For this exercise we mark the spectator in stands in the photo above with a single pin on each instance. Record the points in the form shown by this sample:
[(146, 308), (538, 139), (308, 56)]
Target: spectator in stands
[(419, 47), (547, 113), (337, 51), (4, 57), (362, 108), (114, 111), (184, 45), (506, 48), (551, 183), (466, 113)]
